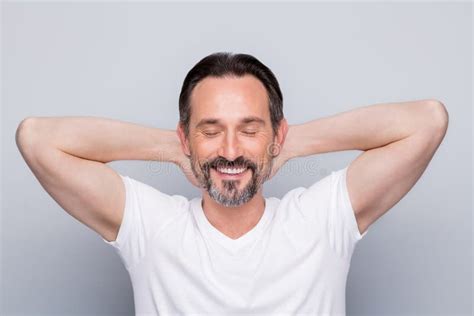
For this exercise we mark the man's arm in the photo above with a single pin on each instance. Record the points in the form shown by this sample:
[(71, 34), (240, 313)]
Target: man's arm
[(68, 156), (398, 140)]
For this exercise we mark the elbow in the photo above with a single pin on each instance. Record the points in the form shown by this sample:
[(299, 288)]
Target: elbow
[(24, 134), (439, 117)]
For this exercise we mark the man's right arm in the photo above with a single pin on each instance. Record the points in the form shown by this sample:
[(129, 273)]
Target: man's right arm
[(68, 156)]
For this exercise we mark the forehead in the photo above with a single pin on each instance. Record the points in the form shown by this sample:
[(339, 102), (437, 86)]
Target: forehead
[(229, 99)]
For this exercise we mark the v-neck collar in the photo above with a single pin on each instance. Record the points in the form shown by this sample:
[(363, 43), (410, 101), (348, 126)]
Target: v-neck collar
[(233, 245)]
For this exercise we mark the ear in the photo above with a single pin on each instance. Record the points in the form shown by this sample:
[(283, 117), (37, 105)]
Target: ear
[(281, 133), (183, 139)]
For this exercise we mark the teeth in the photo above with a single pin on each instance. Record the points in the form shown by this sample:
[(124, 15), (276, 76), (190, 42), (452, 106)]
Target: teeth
[(231, 171)]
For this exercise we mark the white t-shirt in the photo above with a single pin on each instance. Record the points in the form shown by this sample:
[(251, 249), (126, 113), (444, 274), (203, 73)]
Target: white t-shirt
[(295, 261)]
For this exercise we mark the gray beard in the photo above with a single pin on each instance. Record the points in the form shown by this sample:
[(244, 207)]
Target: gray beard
[(232, 197)]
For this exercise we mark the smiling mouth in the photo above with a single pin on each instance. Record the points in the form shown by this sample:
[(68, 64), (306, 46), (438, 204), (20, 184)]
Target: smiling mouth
[(231, 173)]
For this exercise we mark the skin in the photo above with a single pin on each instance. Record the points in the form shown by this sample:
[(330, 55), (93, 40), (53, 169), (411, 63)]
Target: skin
[(68, 155), (398, 141), (231, 205)]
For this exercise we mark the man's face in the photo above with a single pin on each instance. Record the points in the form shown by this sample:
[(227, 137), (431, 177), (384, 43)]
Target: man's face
[(230, 135)]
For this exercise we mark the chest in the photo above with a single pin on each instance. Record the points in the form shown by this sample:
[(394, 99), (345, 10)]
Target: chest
[(275, 273)]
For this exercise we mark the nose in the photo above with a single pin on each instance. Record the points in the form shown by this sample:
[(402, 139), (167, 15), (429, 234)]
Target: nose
[(230, 147)]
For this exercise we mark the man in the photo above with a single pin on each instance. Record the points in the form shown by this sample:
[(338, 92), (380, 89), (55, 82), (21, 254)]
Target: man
[(232, 251)]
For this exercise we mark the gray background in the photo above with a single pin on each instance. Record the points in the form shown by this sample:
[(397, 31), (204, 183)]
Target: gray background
[(128, 61)]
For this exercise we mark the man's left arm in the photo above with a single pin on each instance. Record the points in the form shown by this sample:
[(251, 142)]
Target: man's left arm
[(398, 140)]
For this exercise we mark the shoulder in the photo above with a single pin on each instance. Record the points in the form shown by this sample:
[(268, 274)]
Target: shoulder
[(148, 195), (315, 201), (311, 195)]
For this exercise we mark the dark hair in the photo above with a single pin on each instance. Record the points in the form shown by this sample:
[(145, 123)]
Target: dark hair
[(224, 64)]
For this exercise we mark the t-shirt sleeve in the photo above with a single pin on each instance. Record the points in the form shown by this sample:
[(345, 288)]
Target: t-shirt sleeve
[(327, 202), (147, 210)]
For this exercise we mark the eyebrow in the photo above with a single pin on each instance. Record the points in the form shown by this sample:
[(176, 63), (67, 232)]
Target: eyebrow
[(245, 120)]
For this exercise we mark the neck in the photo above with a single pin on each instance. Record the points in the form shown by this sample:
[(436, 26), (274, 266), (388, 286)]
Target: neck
[(234, 221)]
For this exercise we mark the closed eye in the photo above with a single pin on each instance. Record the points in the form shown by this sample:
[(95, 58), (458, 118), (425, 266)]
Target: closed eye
[(250, 133), (210, 134)]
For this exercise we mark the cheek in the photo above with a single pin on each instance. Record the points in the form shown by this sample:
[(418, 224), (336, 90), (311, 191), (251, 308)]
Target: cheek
[(264, 151), (203, 148), (257, 146)]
